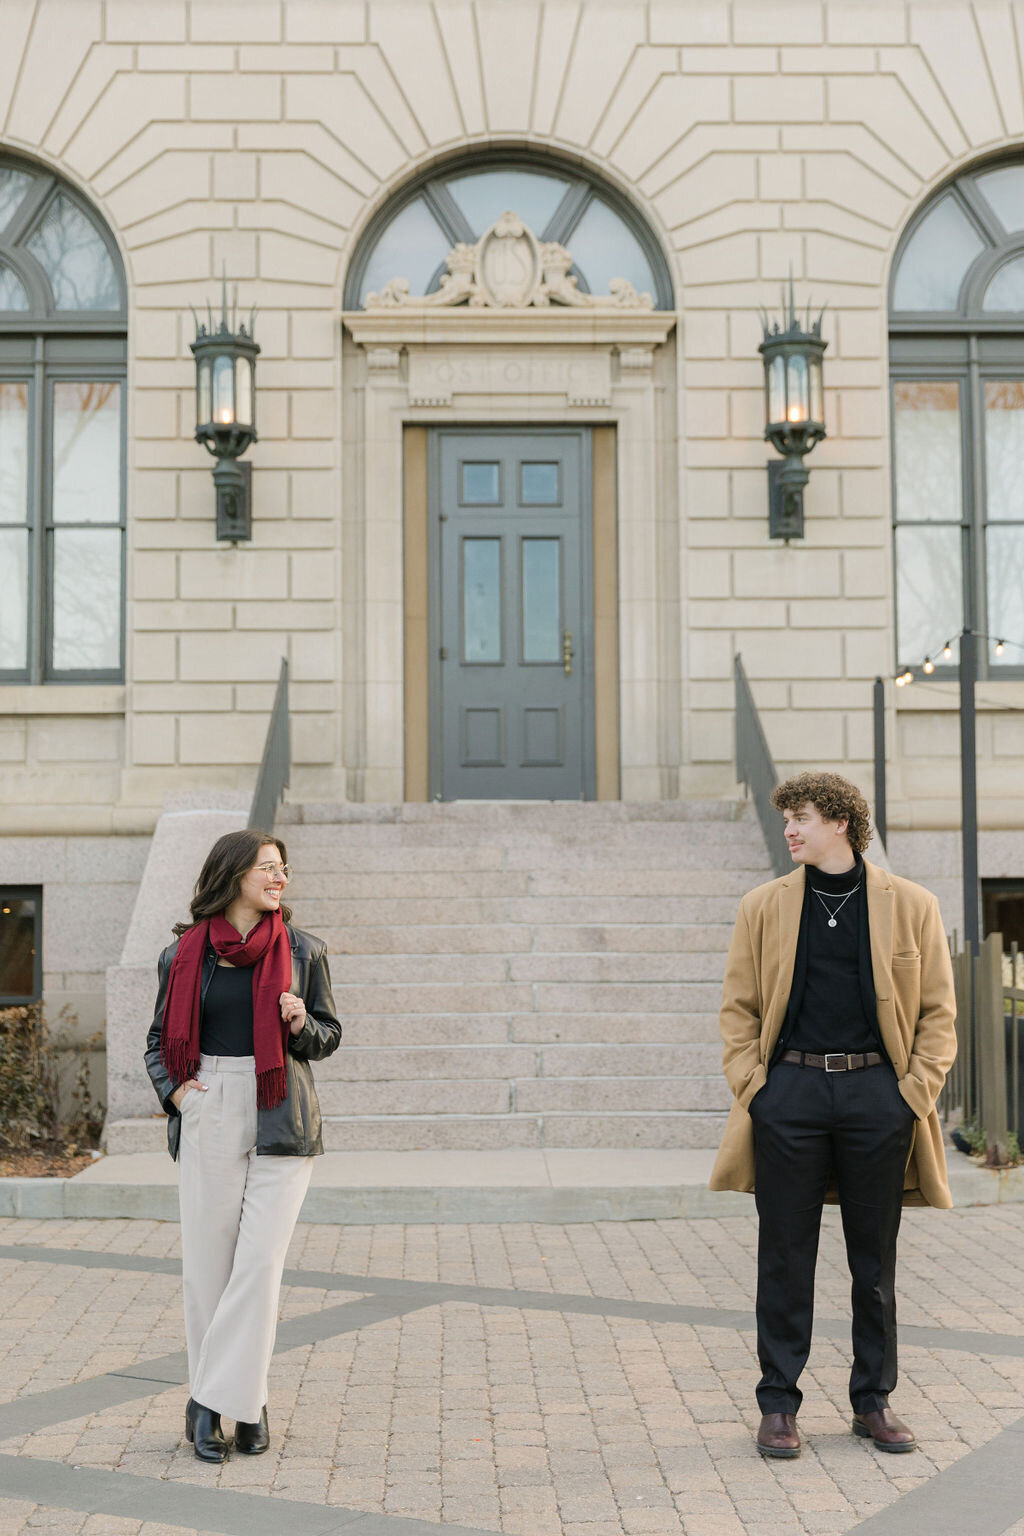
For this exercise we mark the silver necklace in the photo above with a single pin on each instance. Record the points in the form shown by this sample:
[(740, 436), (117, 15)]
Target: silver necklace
[(833, 910)]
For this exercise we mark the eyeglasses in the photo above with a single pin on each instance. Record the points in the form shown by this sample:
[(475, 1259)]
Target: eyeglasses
[(285, 870)]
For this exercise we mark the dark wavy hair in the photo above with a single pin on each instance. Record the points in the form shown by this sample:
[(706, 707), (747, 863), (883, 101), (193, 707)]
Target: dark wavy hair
[(220, 878), (834, 798)]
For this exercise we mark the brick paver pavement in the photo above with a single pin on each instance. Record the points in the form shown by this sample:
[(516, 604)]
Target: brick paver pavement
[(551, 1417)]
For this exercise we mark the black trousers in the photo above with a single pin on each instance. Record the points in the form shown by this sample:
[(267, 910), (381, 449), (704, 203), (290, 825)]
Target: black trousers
[(807, 1125)]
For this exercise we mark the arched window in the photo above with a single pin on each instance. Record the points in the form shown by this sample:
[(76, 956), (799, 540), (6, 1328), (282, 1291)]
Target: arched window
[(62, 371), (957, 363), (412, 236)]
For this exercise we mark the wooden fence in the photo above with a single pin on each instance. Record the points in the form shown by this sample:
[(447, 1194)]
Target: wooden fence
[(987, 1081)]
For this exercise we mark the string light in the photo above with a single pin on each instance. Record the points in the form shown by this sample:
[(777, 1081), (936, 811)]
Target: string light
[(999, 644)]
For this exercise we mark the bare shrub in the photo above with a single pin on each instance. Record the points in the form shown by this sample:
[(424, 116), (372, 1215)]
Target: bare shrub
[(28, 1079)]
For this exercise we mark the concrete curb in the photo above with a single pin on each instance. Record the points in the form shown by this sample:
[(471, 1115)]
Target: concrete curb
[(410, 1205), (62, 1198), (972, 1185)]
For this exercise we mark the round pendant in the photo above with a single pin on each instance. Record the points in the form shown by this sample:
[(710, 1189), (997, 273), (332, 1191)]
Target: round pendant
[(832, 922)]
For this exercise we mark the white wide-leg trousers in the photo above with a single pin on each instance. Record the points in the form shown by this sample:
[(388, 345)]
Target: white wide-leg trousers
[(238, 1213)]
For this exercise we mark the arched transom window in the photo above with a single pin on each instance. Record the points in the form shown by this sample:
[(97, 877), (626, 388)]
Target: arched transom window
[(62, 370), (957, 365), (412, 238)]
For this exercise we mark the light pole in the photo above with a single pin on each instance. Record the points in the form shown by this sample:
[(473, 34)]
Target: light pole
[(969, 790), (881, 814)]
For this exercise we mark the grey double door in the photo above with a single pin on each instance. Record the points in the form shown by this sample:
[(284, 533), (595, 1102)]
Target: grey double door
[(511, 630)]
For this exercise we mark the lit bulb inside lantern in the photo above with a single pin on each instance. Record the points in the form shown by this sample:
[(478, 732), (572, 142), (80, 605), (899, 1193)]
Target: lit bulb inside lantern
[(225, 416), (796, 413)]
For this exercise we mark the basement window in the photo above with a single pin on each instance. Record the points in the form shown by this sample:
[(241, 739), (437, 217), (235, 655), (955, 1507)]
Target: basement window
[(21, 948), (1002, 905)]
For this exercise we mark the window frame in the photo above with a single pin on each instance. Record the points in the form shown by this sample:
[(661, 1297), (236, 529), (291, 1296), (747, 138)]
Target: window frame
[(44, 314), (41, 346), (972, 346), (913, 373), (584, 185), (22, 893)]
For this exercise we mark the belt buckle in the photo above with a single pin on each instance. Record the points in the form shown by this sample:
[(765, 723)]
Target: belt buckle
[(836, 1056)]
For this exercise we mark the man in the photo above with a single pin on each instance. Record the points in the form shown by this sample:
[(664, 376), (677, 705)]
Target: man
[(838, 1031)]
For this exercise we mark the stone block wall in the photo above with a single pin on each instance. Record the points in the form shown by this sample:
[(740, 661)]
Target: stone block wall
[(757, 138)]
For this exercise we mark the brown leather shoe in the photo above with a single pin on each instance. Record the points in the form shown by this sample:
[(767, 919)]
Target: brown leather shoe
[(777, 1435), (884, 1430)]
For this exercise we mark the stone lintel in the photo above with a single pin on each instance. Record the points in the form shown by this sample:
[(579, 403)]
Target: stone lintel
[(505, 327)]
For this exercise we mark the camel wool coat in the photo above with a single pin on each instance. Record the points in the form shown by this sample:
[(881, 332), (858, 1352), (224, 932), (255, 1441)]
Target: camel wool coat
[(913, 979)]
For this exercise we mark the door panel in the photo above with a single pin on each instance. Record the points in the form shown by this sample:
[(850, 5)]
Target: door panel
[(511, 712)]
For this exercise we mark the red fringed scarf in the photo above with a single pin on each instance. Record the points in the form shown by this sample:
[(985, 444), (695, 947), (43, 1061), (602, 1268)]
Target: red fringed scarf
[(268, 951)]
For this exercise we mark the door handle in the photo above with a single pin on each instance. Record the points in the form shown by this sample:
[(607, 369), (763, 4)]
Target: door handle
[(567, 653)]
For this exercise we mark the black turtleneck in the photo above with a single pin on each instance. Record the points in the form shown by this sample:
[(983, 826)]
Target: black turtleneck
[(832, 1004)]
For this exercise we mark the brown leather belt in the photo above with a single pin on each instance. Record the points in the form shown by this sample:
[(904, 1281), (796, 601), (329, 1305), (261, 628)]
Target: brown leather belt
[(837, 1061)]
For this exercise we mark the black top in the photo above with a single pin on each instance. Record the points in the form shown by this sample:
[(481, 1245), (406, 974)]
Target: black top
[(225, 1028), (832, 1005)]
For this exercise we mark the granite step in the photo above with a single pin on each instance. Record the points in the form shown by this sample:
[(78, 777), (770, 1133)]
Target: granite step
[(427, 1063), (520, 938), (620, 1095), (711, 873), (502, 1096), (648, 1128), (529, 911), (411, 1132), (429, 1029), (526, 997), (561, 815), (421, 970), (553, 1059), (356, 854)]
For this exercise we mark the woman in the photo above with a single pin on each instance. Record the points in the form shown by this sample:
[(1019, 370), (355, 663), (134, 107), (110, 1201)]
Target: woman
[(244, 1005)]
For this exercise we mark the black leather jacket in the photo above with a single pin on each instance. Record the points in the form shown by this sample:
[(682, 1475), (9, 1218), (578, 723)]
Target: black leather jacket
[(292, 1128)]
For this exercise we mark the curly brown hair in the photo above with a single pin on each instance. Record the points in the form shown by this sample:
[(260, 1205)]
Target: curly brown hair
[(834, 798)]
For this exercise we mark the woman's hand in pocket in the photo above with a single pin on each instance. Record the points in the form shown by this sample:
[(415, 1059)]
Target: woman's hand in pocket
[(182, 1089)]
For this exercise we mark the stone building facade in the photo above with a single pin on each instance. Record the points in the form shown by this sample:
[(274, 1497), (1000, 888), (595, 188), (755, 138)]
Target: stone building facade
[(737, 144)]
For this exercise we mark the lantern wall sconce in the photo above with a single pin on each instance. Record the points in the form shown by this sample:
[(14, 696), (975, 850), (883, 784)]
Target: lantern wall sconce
[(226, 413), (795, 413)]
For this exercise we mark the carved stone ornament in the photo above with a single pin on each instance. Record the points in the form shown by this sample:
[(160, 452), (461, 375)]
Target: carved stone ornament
[(383, 359), (509, 268)]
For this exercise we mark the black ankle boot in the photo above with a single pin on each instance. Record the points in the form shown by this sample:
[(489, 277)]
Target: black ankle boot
[(202, 1429), (252, 1439)]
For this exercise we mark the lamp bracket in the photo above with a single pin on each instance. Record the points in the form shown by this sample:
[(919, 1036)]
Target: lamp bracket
[(233, 481), (786, 481)]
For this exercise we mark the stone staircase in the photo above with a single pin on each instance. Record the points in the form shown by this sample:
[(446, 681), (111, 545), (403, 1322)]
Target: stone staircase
[(520, 974), (524, 974)]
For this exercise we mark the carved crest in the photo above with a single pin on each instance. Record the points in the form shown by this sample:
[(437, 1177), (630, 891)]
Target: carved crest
[(508, 268)]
